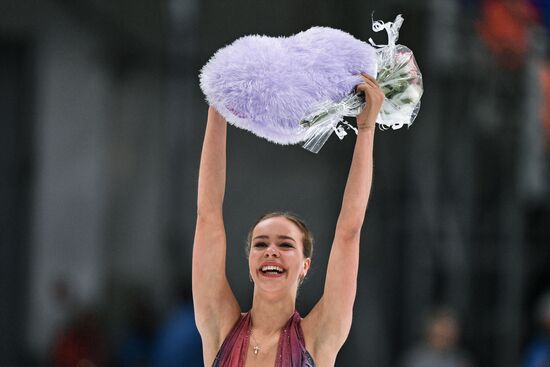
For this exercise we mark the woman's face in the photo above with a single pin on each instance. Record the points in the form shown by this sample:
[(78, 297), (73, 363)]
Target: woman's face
[(276, 260)]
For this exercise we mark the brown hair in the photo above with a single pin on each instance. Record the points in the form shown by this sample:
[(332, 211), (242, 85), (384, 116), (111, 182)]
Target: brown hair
[(307, 239)]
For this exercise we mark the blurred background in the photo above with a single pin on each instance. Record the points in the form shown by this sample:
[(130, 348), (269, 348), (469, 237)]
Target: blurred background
[(102, 120)]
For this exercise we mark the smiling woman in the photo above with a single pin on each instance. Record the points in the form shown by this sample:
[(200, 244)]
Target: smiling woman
[(279, 250)]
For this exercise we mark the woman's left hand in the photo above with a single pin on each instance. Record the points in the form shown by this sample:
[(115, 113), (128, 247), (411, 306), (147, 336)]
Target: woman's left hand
[(374, 97)]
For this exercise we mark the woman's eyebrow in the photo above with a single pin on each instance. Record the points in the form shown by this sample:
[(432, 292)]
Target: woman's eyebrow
[(281, 237), (262, 236)]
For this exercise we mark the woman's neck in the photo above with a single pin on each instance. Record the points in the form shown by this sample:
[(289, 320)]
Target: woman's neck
[(270, 315)]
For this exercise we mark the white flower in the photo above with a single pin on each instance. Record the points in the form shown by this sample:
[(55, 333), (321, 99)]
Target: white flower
[(411, 95)]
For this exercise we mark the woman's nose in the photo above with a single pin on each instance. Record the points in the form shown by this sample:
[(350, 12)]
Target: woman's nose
[(271, 251)]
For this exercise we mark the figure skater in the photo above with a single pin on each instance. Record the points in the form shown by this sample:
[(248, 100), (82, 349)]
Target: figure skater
[(272, 333)]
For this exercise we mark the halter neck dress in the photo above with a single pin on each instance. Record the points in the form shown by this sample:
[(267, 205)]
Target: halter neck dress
[(291, 351)]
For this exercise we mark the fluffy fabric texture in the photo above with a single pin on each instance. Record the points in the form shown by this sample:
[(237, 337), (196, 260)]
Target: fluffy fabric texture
[(267, 85)]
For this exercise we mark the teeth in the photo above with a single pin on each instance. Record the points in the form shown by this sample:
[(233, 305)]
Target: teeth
[(272, 268)]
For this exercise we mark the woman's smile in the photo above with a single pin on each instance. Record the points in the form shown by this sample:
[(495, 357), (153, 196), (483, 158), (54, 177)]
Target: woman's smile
[(271, 269)]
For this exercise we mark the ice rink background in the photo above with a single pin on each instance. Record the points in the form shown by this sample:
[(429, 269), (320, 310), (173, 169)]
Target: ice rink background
[(101, 122)]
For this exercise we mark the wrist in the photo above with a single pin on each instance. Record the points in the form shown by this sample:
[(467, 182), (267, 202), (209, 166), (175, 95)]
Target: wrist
[(214, 114), (365, 125), (363, 130)]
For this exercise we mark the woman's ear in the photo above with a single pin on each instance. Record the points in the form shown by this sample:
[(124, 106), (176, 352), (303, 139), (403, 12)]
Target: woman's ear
[(307, 264)]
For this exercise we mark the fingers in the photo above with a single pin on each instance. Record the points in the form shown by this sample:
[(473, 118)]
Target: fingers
[(369, 77), (368, 82), (374, 97)]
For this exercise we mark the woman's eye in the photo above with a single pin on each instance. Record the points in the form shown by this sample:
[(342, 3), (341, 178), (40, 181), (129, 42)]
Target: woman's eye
[(287, 245), (260, 244)]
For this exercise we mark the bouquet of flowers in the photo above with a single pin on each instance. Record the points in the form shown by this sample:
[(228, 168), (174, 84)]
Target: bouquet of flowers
[(298, 89)]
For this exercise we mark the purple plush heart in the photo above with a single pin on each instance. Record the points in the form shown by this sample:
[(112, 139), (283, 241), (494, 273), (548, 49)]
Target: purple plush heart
[(267, 85)]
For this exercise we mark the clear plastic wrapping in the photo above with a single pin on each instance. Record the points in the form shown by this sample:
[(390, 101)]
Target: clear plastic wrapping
[(399, 77)]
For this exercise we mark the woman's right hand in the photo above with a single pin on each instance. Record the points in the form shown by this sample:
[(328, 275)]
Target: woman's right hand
[(374, 97)]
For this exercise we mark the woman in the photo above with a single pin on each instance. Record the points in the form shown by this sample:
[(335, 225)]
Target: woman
[(272, 333)]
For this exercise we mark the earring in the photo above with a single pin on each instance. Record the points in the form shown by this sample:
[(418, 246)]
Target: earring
[(250, 277)]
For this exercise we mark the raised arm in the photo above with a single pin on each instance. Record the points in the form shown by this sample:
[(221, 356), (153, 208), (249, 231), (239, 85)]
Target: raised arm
[(331, 317), (216, 308)]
